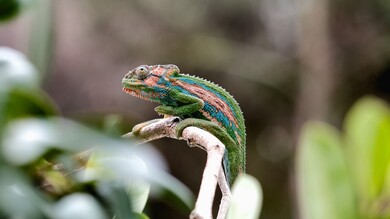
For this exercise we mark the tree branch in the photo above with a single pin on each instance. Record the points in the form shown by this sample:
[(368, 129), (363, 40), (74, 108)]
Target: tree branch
[(213, 172)]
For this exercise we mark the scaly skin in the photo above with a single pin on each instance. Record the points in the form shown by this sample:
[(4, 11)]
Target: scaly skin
[(199, 102)]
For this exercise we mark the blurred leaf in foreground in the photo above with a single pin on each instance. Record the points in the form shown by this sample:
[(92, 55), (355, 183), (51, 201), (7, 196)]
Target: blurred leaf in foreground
[(80, 206), (20, 95), (367, 128), (37, 159), (121, 165), (42, 36), (19, 199), (9, 9), (115, 167), (324, 185), (16, 70), (247, 198)]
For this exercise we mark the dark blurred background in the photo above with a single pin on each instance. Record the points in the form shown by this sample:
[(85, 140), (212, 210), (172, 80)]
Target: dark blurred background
[(285, 61)]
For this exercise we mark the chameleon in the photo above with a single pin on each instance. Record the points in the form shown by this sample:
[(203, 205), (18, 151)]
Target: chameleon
[(198, 102)]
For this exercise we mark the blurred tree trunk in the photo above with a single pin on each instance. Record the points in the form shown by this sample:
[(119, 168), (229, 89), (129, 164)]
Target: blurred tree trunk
[(317, 73), (315, 55)]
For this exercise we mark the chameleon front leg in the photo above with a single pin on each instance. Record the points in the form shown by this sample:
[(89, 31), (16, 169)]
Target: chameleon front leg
[(209, 126), (192, 104)]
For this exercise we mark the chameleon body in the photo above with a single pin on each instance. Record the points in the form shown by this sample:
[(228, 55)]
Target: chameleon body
[(198, 102)]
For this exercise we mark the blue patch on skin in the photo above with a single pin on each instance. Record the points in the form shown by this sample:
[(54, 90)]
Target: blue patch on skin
[(157, 94), (162, 81), (230, 128)]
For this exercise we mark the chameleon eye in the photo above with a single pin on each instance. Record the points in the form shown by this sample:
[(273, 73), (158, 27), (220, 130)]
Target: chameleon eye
[(142, 72)]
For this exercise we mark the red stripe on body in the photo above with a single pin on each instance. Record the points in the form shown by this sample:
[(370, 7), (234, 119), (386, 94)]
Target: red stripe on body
[(212, 99)]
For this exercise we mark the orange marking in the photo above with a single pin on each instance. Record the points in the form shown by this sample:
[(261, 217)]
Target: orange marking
[(151, 81), (158, 70)]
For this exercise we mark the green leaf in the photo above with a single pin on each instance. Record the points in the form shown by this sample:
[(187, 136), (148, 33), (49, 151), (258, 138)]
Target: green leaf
[(22, 103), (18, 198), (116, 164), (9, 9), (78, 205), (108, 164), (114, 192), (20, 95), (42, 36), (141, 216), (16, 71), (367, 128), (247, 198), (28, 140), (324, 185)]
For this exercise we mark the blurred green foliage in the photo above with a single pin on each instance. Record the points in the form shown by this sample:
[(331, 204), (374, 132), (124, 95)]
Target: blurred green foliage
[(40, 177), (9, 9), (247, 198), (41, 40), (346, 175)]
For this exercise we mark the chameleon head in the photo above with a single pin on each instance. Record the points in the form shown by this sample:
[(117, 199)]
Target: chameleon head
[(145, 81)]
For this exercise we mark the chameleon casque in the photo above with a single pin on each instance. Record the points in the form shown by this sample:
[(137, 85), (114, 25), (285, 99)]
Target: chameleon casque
[(198, 103)]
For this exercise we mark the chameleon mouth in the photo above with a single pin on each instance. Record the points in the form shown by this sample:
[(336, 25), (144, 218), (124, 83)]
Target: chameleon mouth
[(127, 90), (136, 93), (132, 92)]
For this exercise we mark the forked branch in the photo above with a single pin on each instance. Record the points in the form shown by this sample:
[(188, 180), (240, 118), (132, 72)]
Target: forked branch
[(213, 172)]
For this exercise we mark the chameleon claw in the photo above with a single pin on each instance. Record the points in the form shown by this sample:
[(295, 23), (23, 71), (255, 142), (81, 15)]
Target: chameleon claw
[(175, 120), (191, 143)]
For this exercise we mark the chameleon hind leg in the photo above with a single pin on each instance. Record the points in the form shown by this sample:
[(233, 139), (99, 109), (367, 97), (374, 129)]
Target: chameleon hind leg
[(209, 126)]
